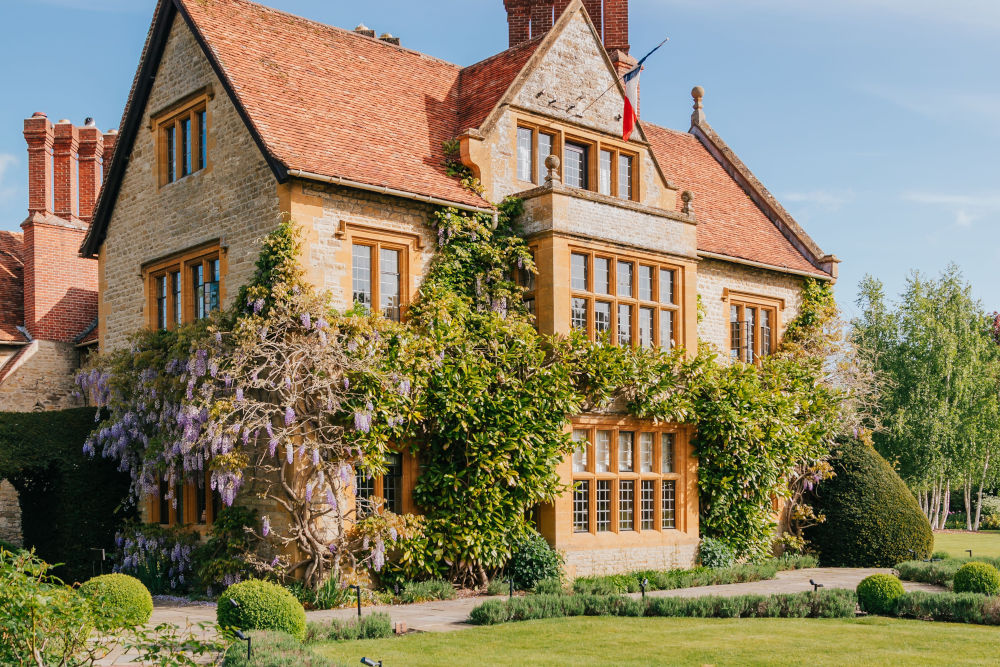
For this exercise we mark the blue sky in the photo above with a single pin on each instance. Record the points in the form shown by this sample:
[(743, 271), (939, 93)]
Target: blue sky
[(876, 122)]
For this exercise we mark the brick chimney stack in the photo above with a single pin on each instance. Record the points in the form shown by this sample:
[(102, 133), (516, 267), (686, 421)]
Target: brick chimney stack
[(91, 168), (66, 170), (38, 133), (64, 179), (527, 19)]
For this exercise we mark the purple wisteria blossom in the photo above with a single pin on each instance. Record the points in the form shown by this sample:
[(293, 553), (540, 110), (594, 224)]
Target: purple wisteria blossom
[(306, 320), (362, 422), (265, 526), (289, 416)]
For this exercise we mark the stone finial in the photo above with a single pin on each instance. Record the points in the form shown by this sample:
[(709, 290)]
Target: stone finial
[(698, 117), (552, 163), (687, 197), (362, 29)]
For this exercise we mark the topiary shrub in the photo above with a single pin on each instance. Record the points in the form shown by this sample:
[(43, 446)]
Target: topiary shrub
[(532, 561), (261, 605), (119, 600), (877, 594), (977, 577), (872, 518), (713, 552)]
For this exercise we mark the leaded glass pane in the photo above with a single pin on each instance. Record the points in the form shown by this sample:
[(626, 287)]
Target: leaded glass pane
[(581, 507), (578, 271), (603, 451), (626, 440), (626, 505), (361, 274), (603, 505), (389, 283), (524, 150)]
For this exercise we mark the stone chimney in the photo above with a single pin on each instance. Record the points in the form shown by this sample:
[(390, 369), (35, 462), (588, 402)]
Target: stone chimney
[(64, 178)]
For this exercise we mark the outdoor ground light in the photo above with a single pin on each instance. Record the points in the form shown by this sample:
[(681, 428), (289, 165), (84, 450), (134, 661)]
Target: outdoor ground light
[(511, 582), (371, 663), (969, 551), (357, 589), (815, 586), (240, 634), (642, 585)]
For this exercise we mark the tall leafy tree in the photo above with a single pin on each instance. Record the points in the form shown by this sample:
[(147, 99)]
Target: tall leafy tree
[(940, 399)]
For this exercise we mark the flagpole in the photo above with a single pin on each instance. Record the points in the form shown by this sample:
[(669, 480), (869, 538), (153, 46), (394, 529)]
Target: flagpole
[(619, 77)]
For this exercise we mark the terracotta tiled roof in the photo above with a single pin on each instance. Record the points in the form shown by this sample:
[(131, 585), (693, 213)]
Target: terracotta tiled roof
[(332, 102), (482, 85), (11, 286), (729, 222)]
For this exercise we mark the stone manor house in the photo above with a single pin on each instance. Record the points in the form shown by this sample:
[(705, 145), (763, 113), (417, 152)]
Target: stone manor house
[(240, 114)]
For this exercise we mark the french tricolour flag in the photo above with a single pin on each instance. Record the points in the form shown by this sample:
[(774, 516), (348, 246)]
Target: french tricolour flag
[(631, 81)]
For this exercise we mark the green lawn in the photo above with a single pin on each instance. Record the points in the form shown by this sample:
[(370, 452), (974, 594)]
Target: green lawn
[(983, 543), (686, 641)]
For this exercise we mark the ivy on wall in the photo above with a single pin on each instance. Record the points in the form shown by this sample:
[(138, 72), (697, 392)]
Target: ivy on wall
[(70, 503)]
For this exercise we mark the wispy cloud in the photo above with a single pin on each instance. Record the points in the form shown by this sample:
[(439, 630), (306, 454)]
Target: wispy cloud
[(973, 15), (966, 208), (7, 189), (941, 103), (826, 199)]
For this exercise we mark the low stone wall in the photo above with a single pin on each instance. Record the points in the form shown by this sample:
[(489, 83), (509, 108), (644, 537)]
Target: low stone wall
[(10, 514), (628, 559)]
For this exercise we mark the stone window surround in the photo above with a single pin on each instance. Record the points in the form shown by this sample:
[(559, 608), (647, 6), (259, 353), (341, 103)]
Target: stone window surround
[(181, 262), (594, 143), (358, 234), (774, 305), (187, 107), (636, 426), (637, 259), (410, 472)]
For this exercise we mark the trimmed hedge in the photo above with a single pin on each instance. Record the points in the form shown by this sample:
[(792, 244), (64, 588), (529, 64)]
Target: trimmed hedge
[(832, 603), (941, 573), (877, 593), (261, 605), (949, 607), (70, 503), (665, 580), (274, 649), (872, 518), (977, 577), (120, 600), (377, 625)]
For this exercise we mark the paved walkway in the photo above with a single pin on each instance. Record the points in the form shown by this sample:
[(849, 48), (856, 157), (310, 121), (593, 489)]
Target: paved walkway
[(450, 615)]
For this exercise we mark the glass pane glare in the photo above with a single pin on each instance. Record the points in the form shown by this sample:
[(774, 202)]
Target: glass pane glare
[(646, 452), (578, 271), (361, 274), (626, 440), (389, 283), (602, 275), (603, 451), (625, 270), (524, 146), (604, 182)]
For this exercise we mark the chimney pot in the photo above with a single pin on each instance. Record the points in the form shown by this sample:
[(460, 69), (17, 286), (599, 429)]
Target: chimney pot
[(389, 39), (364, 30), (39, 114)]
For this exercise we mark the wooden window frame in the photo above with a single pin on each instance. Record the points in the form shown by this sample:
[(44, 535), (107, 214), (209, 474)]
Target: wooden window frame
[(377, 244), (637, 427), (743, 301), (637, 261), (410, 471), (538, 172), (594, 146), (183, 264), (173, 116), (189, 503)]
